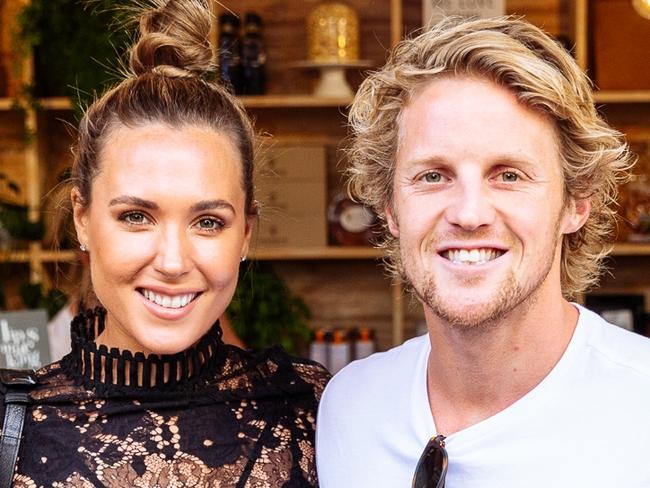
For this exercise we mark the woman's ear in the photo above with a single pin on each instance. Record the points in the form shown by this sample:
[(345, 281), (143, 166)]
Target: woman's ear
[(250, 221), (80, 216)]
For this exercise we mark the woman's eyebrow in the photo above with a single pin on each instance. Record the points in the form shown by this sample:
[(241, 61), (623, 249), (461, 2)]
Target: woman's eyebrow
[(197, 207), (131, 200), (211, 205)]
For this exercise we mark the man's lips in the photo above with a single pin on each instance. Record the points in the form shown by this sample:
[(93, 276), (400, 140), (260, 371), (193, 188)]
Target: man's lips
[(472, 256)]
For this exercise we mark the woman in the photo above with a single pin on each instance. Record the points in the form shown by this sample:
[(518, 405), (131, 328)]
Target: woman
[(163, 205)]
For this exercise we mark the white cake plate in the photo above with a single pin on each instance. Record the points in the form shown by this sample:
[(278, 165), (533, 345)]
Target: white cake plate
[(332, 82)]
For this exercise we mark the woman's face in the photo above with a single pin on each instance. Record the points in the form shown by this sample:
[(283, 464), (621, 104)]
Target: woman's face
[(165, 230)]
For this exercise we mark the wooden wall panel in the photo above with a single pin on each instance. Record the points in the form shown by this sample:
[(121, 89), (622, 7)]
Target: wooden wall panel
[(543, 13), (10, 60), (12, 158)]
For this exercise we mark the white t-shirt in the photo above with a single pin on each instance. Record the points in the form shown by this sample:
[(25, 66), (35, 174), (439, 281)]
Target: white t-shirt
[(587, 424)]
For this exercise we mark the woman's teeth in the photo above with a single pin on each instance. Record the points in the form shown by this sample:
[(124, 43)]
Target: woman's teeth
[(176, 301), (472, 256)]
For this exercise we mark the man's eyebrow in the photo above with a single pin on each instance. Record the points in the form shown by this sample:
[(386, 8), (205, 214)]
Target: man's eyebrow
[(211, 205), (131, 200), (505, 159)]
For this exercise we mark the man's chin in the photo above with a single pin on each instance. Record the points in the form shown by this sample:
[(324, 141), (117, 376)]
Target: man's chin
[(483, 312)]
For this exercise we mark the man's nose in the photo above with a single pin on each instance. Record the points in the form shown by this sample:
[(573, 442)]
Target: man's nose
[(471, 205)]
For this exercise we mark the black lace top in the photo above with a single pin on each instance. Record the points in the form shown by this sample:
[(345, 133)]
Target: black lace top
[(212, 416)]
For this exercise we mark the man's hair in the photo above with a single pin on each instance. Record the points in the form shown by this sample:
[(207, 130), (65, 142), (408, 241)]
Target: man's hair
[(543, 76)]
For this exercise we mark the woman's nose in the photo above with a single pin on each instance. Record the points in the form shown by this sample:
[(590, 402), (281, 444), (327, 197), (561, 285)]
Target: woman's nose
[(172, 257)]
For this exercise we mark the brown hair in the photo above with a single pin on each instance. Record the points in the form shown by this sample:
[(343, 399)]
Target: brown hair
[(167, 82), (543, 76)]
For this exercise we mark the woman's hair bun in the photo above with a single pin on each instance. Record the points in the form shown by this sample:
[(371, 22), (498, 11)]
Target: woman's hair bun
[(174, 39)]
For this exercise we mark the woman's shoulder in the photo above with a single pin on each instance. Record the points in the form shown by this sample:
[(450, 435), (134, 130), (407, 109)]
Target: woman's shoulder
[(49, 381), (310, 372), (289, 373)]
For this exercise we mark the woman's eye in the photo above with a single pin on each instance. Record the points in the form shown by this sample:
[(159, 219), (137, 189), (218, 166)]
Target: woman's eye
[(209, 224), (135, 218), (432, 177), (509, 176)]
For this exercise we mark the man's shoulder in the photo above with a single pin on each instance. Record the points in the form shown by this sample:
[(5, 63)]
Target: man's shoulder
[(616, 347), (380, 372)]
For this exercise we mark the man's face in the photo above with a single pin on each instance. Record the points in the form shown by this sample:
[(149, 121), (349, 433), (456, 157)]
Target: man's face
[(478, 201)]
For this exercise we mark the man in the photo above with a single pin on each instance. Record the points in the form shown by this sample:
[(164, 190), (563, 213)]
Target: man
[(479, 145)]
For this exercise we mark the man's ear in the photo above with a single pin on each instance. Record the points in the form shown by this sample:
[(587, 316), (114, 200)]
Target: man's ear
[(80, 215), (391, 220), (576, 215)]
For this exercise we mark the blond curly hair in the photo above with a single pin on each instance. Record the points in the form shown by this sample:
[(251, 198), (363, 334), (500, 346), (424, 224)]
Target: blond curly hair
[(543, 76)]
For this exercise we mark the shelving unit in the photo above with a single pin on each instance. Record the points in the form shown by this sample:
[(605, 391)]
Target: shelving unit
[(322, 120)]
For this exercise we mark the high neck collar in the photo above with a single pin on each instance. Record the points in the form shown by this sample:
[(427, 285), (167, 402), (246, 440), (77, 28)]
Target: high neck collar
[(98, 367)]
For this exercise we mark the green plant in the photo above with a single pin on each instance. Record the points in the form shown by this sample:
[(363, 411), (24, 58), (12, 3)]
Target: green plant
[(75, 45), (33, 297), (13, 219), (265, 312)]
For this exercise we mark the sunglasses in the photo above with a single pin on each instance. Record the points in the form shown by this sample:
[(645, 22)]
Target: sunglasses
[(432, 466)]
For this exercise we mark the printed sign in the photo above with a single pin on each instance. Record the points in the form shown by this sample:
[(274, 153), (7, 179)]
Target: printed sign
[(24, 341), (435, 10)]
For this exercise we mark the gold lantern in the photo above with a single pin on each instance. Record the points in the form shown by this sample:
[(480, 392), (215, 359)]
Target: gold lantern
[(333, 32), (642, 7)]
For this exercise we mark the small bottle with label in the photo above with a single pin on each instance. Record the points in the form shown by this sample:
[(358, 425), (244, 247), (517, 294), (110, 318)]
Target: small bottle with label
[(253, 56), (318, 348), (364, 345), (229, 53), (339, 351)]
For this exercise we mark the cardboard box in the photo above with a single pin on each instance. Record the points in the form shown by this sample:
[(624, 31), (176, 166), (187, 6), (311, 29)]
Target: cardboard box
[(291, 190), (282, 230), (287, 162)]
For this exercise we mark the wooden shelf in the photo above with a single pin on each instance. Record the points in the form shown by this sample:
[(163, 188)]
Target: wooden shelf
[(316, 253), (8, 104), (296, 253), (44, 256), (264, 254), (55, 103), (631, 249), (312, 101), (294, 101), (622, 96), (251, 101)]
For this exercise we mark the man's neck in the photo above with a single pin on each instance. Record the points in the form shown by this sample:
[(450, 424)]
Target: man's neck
[(472, 375)]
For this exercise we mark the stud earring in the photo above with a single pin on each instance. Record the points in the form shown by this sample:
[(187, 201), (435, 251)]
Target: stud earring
[(83, 248), (243, 258)]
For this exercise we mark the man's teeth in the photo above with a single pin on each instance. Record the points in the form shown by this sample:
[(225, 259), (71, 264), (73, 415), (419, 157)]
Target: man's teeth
[(176, 301), (472, 256)]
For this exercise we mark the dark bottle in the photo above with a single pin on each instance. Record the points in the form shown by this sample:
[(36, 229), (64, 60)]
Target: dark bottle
[(253, 56), (230, 69)]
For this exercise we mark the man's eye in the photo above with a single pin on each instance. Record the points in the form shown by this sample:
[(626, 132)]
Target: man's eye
[(509, 176), (432, 177), (135, 218)]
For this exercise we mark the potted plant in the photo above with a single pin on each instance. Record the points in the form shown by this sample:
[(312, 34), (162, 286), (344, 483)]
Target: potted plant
[(264, 312), (75, 45)]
